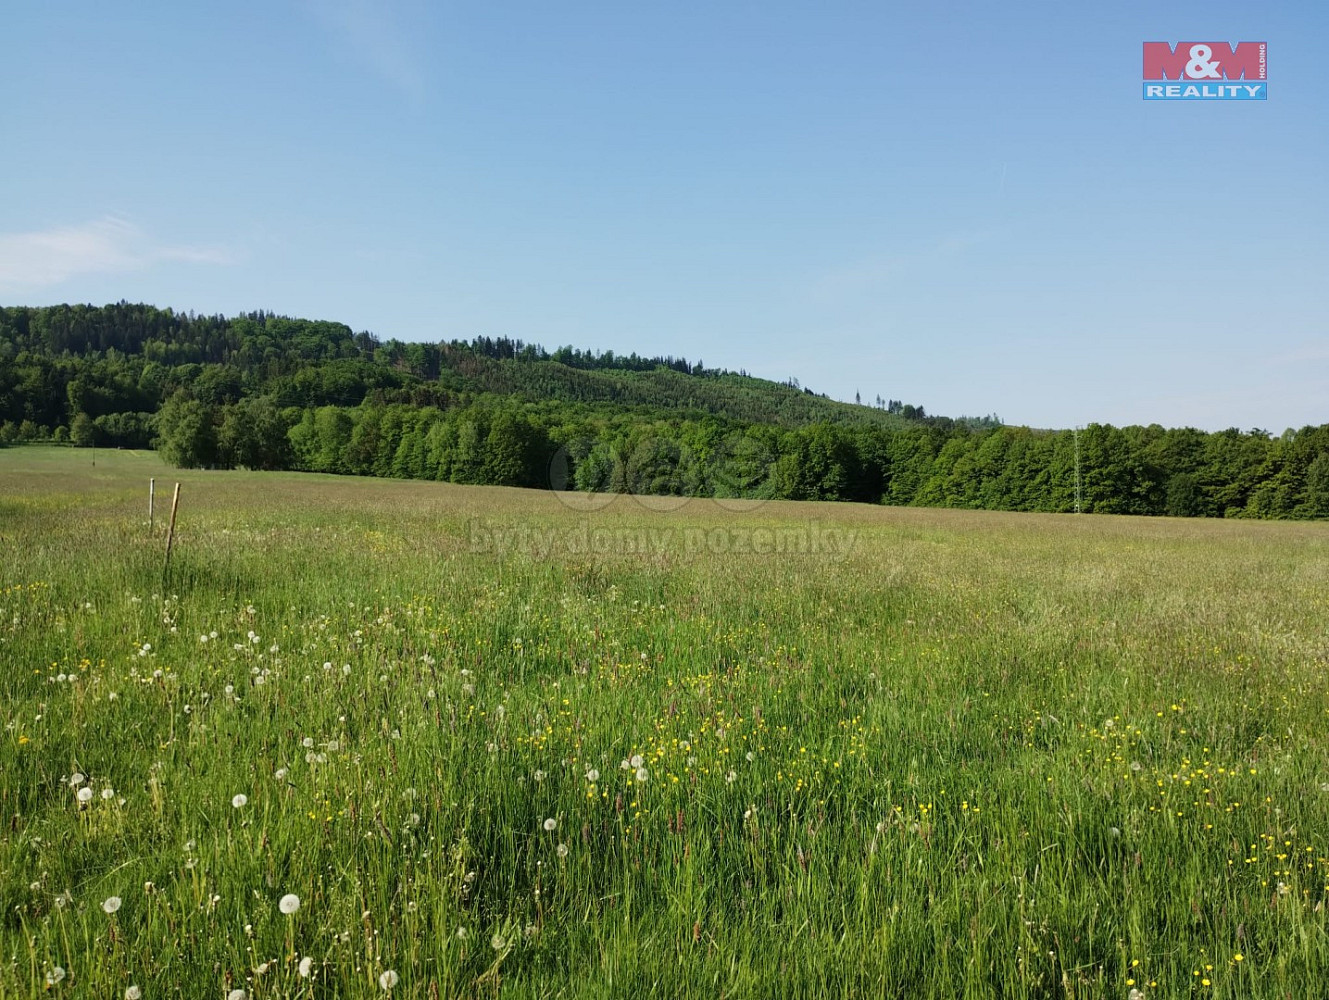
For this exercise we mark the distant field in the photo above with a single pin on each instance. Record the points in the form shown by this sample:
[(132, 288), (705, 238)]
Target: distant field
[(502, 746)]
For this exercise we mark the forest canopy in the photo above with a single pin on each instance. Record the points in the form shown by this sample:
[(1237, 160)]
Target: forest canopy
[(262, 391)]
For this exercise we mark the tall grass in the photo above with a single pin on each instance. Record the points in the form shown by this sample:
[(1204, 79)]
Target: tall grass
[(890, 753)]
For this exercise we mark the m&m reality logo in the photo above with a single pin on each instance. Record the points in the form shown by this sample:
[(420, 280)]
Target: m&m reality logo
[(1205, 71)]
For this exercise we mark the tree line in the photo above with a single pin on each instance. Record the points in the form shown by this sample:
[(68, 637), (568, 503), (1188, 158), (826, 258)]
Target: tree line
[(267, 392), (1103, 469)]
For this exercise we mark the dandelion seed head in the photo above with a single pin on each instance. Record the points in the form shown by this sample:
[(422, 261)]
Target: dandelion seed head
[(497, 942), (387, 979), (77, 778), (592, 775), (236, 995), (551, 824), (642, 774), (111, 904), (635, 760), (133, 993), (84, 794), (55, 975), (306, 965), (289, 903), (239, 801), (562, 850)]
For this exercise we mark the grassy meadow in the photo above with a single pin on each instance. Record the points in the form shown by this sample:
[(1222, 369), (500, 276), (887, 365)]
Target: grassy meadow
[(381, 738)]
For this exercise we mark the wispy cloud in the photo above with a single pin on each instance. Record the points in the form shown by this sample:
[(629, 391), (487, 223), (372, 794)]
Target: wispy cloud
[(36, 260), (873, 270), (1311, 351), (374, 34)]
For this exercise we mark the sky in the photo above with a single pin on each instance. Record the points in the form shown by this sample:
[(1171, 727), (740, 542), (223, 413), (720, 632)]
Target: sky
[(965, 206)]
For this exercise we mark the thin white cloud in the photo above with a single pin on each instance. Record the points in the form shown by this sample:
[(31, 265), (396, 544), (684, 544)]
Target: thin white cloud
[(36, 260), (874, 270), (1311, 351), (374, 36)]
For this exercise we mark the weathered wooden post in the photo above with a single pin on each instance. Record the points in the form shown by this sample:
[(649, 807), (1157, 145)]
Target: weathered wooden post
[(170, 531)]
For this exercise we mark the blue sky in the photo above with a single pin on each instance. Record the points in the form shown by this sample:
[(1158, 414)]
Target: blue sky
[(962, 205)]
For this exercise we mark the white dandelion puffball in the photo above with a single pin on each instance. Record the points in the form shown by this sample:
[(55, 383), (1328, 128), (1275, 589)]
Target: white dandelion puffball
[(133, 993), (387, 979), (85, 794), (56, 975), (306, 966), (497, 942), (240, 800), (562, 850), (108, 793), (642, 774), (236, 995), (281, 773), (77, 778), (551, 824), (289, 903), (111, 904), (635, 760), (592, 775)]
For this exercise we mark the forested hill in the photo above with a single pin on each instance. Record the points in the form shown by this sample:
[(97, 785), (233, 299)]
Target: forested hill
[(130, 358), (270, 392)]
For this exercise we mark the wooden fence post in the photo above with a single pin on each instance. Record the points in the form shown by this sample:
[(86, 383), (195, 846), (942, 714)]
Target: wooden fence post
[(170, 532)]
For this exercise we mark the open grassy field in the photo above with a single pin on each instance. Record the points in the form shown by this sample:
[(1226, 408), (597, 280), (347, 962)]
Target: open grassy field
[(502, 746)]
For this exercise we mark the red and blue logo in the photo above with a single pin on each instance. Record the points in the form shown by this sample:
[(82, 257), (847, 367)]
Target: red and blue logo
[(1205, 71)]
